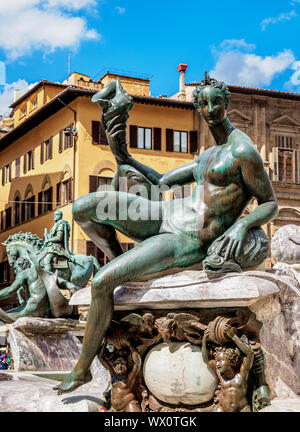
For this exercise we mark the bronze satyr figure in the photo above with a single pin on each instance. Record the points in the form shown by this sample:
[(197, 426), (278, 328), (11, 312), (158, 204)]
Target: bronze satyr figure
[(185, 231)]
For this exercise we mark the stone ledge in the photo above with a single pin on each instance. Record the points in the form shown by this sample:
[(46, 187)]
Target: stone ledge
[(191, 288)]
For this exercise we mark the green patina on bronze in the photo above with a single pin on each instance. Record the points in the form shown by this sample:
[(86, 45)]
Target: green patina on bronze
[(228, 175), (40, 278)]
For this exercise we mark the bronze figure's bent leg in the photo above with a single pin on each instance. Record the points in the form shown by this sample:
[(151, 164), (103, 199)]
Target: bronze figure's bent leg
[(157, 253), (99, 214)]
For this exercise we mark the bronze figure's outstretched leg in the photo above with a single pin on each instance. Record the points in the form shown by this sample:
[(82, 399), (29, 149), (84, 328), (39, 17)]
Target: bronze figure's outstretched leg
[(159, 252)]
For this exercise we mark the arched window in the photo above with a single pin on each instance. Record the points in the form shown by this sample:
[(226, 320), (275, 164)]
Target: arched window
[(45, 198), (17, 209), (28, 205), (64, 190)]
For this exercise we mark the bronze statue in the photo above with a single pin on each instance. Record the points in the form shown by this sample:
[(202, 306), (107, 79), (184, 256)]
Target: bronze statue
[(183, 231), (57, 241), (43, 295), (232, 371), (77, 268)]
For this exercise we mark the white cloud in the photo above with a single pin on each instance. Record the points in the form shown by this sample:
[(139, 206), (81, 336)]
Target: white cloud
[(28, 25), (293, 84), (71, 4), (248, 69), (7, 94), (285, 16), (237, 43), (120, 9)]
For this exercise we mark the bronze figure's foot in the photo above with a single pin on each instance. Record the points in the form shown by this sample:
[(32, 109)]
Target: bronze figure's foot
[(72, 382)]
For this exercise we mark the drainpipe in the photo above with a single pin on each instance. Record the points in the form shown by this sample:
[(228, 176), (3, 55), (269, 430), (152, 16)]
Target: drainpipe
[(74, 165)]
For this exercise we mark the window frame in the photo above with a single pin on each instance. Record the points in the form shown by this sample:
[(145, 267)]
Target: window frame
[(144, 131), (180, 141)]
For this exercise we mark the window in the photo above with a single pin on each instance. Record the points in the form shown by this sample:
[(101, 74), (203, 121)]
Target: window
[(29, 208), (8, 173), (177, 141), (68, 137), (4, 272), (180, 142), (97, 182), (17, 210), (286, 160), (98, 134), (2, 220), (141, 137), (17, 167), (28, 162), (8, 218), (34, 103), (48, 149), (45, 200), (92, 249), (24, 110), (64, 192), (144, 138)]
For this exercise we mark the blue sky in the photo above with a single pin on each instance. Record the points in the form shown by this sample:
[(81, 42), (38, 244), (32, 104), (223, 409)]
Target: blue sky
[(252, 43)]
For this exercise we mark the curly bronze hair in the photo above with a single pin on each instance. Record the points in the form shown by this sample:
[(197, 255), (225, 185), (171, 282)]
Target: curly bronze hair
[(233, 355), (211, 82)]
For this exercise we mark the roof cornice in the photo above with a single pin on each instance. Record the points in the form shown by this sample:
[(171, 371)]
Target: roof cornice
[(68, 95)]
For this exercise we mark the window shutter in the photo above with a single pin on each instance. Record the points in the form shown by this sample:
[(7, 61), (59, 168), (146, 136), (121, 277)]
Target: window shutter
[(32, 155), (25, 164), (9, 172), (275, 164), (93, 184), (60, 144), (69, 186), (42, 152), (50, 147), (297, 165), (40, 199), (71, 127), (50, 198), (8, 218), (157, 138), (169, 140), (3, 176), (58, 194), (102, 135), (95, 132), (193, 141), (17, 173), (133, 130), (91, 249)]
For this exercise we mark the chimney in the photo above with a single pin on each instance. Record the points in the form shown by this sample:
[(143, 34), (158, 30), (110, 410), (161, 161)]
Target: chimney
[(16, 94), (182, 68)]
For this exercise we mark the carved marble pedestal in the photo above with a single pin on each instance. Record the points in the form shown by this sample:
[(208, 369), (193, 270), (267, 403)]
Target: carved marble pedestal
[(164, 319)]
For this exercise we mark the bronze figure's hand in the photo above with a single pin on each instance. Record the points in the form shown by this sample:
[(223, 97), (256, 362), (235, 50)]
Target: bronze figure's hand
[(230, 243)]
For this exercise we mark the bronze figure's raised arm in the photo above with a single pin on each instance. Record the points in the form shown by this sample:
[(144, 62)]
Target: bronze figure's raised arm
[(204, 227)]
